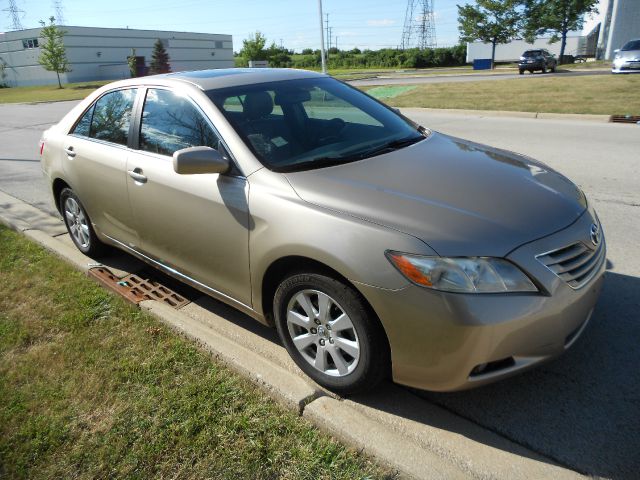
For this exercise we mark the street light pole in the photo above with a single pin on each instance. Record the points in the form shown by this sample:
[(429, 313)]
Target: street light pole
[(322, 52)]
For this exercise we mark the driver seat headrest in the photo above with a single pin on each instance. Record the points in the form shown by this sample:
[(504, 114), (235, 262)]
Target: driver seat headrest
[(257, 105)]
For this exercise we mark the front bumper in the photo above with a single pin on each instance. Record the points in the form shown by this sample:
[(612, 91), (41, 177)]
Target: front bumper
[(626, 67), (530, 66), (445, 341)]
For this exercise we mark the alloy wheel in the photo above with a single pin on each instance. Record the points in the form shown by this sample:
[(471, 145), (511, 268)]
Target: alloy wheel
[(323, 333), (77, 222)]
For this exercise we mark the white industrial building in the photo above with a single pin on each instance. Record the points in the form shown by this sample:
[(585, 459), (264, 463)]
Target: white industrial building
[(101, 53), (617, 22), (620, 23)]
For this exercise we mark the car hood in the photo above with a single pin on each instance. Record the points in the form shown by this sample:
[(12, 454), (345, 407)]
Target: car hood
[(629, 54), (459, 197)]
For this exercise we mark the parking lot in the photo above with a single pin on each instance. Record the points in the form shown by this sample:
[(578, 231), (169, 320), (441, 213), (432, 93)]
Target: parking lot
[(581, 410)]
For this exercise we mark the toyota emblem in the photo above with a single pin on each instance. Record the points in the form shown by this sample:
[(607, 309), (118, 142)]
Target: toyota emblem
[(595, 234)]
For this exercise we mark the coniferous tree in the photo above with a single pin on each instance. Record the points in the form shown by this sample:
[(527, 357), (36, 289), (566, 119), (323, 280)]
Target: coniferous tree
[(159, 59)]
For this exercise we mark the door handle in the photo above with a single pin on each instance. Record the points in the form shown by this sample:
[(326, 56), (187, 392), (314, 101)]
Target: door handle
[(69, 151), (137, 175)]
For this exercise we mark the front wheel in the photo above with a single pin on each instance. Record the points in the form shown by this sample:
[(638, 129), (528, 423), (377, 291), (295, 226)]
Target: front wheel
[(330, 333), (521, 72), (544, 69), (79, 225)]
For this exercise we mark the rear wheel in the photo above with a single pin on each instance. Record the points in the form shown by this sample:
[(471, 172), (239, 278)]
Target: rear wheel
[(521, 72), (330, 333), (79, 225), (544, 69)]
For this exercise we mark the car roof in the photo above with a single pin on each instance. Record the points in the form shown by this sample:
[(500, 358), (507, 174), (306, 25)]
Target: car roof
[(230, 77)]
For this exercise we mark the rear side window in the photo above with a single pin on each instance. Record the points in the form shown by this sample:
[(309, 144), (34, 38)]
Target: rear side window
[(171, 122), (109, 118)]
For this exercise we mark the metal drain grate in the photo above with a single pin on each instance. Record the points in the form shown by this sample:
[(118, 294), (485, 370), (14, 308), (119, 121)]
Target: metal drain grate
[(624, 118), (135, 288)]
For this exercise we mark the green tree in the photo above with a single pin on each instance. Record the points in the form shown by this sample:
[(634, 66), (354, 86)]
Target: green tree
[(132, 62), (253, 47), (492, 21), (159, 59), (557, 17), (278, 57), (3, 75), (53, 54)]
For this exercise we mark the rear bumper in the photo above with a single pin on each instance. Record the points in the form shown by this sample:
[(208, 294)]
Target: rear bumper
[(444, 341)]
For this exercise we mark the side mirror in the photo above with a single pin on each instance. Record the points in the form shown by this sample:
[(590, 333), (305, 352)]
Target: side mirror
[(194, 160), (616, 50)]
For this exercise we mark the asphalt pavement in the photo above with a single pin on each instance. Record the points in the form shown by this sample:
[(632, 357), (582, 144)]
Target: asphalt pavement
[(581, 410)]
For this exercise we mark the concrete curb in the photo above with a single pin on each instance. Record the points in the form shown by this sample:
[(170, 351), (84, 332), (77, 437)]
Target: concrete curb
[(379, 441), (510, 114), (290, 390), (412, 436)]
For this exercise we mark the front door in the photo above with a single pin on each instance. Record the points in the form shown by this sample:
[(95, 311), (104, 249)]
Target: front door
[(196, 224)]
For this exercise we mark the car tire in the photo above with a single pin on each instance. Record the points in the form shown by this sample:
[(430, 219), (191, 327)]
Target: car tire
[(79, 225), (521, 72), (544, 69), (331, 333), (553, 69)]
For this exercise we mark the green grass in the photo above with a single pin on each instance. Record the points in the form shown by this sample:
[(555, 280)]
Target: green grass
[(598, 94), (90, 387), (49, 93)]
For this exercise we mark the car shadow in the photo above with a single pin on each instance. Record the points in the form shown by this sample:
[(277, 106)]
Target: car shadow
[(579, 411)]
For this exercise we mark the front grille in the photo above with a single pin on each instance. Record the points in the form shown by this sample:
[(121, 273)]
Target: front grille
[(575, 264)]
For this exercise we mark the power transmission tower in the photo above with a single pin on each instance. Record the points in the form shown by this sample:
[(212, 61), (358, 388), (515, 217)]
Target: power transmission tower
[(14, 13), (419, 25), (59, 9)]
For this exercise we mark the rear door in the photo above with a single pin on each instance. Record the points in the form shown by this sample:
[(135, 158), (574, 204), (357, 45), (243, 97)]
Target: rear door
[(95, 159), (195, 224)]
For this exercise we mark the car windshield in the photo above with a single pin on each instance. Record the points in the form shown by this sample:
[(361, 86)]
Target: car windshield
[(532, 53), (311, 123), (632, 45)]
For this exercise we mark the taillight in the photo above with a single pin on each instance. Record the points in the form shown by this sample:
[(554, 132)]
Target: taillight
[(41, 147)]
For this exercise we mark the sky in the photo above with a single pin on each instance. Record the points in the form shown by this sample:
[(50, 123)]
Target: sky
[(364, 24)]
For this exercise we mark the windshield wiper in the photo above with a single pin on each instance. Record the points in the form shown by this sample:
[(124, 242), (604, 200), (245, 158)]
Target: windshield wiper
[(391, 146), (321, 162), (318, 162)]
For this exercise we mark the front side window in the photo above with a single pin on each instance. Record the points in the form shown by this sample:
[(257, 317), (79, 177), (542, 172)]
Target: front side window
[(311, 123), (171, 122), (109, 118)]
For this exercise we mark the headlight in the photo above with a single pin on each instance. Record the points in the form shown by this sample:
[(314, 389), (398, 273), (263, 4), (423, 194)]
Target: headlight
[(468, 275)]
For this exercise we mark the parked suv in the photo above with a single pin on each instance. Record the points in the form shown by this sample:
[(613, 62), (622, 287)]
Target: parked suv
[(540, 59)]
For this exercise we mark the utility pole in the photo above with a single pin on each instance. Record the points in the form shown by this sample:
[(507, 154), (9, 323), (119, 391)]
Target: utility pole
[(322, 52), (328, 35)]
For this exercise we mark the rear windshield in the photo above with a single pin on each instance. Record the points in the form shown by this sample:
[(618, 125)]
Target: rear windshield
[(632, 45), (312, 123), (532, 53)]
